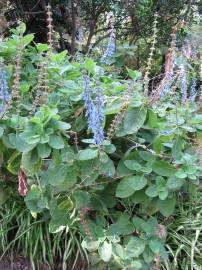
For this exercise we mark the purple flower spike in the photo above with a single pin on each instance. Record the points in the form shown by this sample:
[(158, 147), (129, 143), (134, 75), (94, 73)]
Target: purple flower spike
[(4, 89), (193, 91), (94, 110), (111, 48)]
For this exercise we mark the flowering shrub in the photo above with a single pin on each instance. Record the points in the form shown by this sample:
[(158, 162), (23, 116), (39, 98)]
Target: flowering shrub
[(95, 153)]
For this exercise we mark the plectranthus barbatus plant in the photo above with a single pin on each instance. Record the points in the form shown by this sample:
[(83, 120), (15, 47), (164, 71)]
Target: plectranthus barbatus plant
[(94, 105), (4, 89), (111, 48)]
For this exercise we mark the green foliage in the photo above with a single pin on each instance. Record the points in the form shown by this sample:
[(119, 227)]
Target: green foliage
[(184, 235), (117, 195)]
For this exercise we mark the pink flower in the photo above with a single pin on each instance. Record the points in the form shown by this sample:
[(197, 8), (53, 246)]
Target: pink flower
[(22, 188)]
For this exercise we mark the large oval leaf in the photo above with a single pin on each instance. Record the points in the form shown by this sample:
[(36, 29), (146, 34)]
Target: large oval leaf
[(134, 120), (105, 251), (129, 184), (167, 206), (135, 247), (163, 168), (56, 142), (87, 154)]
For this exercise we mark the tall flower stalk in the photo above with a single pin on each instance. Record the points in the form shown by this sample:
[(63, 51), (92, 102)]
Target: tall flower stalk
[(15, 93), (169, 69), (183, 77), (41, 87), (116, 122), (49, 21), (151, 54), (111, 48), (4, 89), (193, 91), (94, 110)]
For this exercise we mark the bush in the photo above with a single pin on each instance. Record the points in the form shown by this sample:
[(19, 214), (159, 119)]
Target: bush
[(89, 151)]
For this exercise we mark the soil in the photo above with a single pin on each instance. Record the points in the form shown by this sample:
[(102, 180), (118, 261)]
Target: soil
[(18, 263), (21, 263)]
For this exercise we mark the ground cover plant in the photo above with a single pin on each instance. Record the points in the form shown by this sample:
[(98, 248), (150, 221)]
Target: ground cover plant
[(101, 154)]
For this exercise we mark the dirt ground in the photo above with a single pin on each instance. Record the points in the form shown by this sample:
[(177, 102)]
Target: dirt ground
[(18, 263)]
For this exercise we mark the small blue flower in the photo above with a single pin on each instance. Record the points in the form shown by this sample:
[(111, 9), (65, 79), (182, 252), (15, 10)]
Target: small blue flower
[(166, 132), (4, 89), (94, 110), (193, 91), (167, 87), (111, 48)]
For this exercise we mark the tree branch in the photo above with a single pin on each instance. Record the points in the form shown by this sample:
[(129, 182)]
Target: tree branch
[(73, 28)]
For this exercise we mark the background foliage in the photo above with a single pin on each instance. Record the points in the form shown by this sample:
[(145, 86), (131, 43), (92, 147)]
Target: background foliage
[(110, 174)]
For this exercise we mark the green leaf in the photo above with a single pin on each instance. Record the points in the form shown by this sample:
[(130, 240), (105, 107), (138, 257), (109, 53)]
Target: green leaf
[(55, 227), (57, 175), (129, 184), (69, 181), (197, 119), (31, 161), (151, 191), (90, 65), (43, 150), (19, 143), (1, 131), (163, 194), (163, 168), (82, 198), (147, 156), (42, 47), (90, 245), (27, 39), (140, 197), (14, 163), (70, 87), (123, 226), (134, 74), (108, 168), (30, 137), (105, 251), (142, 225), (174, 183), (87, 154), (113, 107), (133, 165), (152, 119), (157, 145), (135, 247), (167, 206), (136, 264), (181, 174), (58, 57), (177, 148), (33, 194), (148, 255), (134, 120), (155, 245), (56, 142), (63, 125)]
